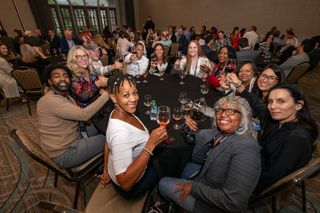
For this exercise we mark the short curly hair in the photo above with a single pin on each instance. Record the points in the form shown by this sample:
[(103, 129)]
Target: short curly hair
[(47, 72)]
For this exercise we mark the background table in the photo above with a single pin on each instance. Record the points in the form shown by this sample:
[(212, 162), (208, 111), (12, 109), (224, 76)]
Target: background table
[(169, 160)]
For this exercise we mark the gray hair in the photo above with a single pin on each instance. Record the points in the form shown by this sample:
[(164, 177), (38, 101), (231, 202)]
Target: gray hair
[(245, 126)]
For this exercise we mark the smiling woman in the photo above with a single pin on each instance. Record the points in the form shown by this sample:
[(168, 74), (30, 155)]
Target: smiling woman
[(225, 163), (129, 142), (287, 142), (86, 82)]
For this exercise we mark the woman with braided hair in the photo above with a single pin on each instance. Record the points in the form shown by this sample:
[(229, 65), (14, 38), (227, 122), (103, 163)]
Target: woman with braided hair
[(129, 141)]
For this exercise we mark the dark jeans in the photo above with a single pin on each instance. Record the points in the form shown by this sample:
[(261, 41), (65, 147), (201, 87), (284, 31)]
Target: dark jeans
[(147, 182)]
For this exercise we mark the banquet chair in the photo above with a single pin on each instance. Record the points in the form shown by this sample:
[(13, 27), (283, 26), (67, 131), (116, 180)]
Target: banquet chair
[(7, 99), (297, 72), (297, 177), (174, 49), (29, 81), (82, 174), (166, 51), (104, 199)]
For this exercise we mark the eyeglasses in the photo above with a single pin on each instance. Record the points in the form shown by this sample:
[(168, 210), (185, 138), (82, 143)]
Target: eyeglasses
[(82, 56), (269, 78), (228, 111)]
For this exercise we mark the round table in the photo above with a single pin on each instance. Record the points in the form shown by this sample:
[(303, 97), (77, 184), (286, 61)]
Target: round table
[(169, 159)]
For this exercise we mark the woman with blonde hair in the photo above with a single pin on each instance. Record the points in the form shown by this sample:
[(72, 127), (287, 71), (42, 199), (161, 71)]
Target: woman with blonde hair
[(86, 82), (33, 57), (193, 61)]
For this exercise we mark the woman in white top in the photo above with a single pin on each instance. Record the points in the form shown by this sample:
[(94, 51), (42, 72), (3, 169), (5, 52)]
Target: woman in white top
[(129, 141), (193, 61), (7, 83), (158, 62), (123, 44), (136, 62)]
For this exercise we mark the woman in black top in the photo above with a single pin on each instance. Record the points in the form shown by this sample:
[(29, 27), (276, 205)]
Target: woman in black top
[(287, 141)]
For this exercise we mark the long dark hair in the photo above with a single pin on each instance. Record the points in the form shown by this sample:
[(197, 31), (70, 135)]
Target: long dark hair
[(303, 115)]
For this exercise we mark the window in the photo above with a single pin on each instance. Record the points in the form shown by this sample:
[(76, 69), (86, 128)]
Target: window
[(80, 18), (76, 14), (66, 17), (55, 21), (113, 19), (93, 20), (104, 17)]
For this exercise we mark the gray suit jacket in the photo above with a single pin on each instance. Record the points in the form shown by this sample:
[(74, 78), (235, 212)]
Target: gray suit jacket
[(229, 175), (247, 55)]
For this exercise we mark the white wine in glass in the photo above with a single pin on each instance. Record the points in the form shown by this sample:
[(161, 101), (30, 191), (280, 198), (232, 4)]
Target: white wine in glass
[(177, 116)]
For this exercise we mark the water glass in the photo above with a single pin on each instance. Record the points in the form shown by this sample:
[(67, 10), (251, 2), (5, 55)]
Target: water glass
[(147, 103)]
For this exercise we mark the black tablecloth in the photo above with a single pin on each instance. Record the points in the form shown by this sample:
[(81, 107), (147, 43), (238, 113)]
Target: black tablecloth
[(169, 160)]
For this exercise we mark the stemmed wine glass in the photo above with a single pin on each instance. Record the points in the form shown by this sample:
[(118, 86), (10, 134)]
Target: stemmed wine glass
[(147, 103), (196, 114), (182, 97), (230, 66), (163, 116), (182, 74), (177, 115), (161, 72), (145, 75), (204, 89)]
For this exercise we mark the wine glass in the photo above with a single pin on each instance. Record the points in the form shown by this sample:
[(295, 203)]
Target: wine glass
[(196, 115), (137, 76), (204, 88), (187, 107), (182, 97), (147, 103), (177, 115), (230, 66), (181, 75), (145, 75), (163, 116), (161, 72)]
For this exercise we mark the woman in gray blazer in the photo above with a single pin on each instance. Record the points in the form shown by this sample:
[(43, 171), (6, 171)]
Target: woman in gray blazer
[(225, 163)]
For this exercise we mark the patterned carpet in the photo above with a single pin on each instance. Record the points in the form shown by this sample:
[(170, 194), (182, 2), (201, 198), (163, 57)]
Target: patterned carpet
[(24, 182)]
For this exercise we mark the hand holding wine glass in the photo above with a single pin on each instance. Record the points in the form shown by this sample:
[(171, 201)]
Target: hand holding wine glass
[(230, 66)]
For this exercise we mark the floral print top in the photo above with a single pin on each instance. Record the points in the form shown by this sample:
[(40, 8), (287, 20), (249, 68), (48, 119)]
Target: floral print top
[(83, 91)]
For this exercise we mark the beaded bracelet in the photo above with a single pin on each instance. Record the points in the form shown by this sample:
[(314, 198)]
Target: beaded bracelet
[(148, 151)]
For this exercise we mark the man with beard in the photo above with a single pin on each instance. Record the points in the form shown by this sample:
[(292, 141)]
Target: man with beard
[(59, 117)]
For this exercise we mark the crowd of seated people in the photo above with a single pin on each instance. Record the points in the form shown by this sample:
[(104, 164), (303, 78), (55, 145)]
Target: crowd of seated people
[(280, 142)]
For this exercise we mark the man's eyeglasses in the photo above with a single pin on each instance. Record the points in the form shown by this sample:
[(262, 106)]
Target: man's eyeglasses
[(228, 111), (82, 56), (269, 78)]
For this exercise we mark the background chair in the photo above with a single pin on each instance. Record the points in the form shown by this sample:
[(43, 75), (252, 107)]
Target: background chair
[(174, 49), (104, 199), (29, 81), (7, 99), (297, 72), (297, 177), (81, 175)]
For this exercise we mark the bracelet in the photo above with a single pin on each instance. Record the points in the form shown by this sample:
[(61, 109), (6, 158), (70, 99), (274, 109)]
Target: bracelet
[(239, 85), (148, 151)]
